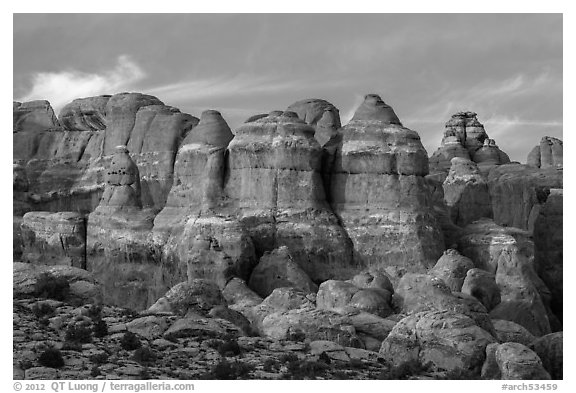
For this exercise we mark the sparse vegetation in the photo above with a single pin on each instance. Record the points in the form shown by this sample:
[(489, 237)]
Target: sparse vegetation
[(229, 348), (51, 287), (130, 341), (226, 370), (100, 329), (41, 310), (99, 358), (78, 334), (305, 369), (403, 370), (51, 357), (144, 356)]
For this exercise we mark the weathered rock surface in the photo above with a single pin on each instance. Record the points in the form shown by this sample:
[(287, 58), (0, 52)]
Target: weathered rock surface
[(117, 248), (513, 361), (275, 188), (54, 238), (83, 287), (378, 191), (518, 191), (508, 331), (465, 137), (550, 350), (85, 114), (421, 292), (444, 339), (549, 153), (276, 270), (452, 268), (342, 296), (482, 285), (509, 254), (466, 192), (320, 114), (197, 295), (34, 116)]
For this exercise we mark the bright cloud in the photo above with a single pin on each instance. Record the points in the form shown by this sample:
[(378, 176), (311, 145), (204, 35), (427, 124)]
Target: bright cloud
[(62, 87)]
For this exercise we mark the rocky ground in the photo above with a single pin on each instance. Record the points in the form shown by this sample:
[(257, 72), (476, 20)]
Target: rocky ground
[(107, 353)]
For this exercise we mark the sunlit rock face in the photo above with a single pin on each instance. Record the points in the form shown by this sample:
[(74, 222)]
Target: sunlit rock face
[(378, 192), (274, 186)]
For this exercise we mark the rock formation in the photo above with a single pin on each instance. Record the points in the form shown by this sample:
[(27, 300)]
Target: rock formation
[(85, 114), (465, 137), (466, 192), (547, 154), (378, 192), (320, 114)]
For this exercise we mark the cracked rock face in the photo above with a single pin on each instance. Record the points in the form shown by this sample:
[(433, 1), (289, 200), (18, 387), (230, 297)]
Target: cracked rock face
[(378, 191), (274, 187)]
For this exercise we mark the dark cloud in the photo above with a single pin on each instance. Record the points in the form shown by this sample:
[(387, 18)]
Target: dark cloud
[(505, 67)]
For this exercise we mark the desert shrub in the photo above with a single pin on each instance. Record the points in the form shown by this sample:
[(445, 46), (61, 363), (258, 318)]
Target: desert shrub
[(130, 341), (403, 371), (229, 348), (144, 355), (51, 287), (100, 328), (95, 372), (270, 365), (99, 358), (78, 334), (95, 312), (288, 357), (144, 373), (72, 346), (226, 370), (305, 369), (51, 358), (41, 310), (25, 364)]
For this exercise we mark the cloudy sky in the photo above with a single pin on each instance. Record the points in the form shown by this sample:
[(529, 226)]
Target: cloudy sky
[(505, 67)]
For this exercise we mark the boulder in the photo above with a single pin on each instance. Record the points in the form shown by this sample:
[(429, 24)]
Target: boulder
[(550, 350), (482, 285), (508, 331), (234, 317), (466, 192), (201, 328), (511, 361), (444, 340), (237, 292), (372, 280), (342, 296), (149, 327), (277, 269), (197, 295), (451, 268), (420, 292), (84, 288), (377, 190)]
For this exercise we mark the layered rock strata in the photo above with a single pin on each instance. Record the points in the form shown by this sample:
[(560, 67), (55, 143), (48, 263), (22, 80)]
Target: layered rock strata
[(465, 137), (378, 192), (274, 187)]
